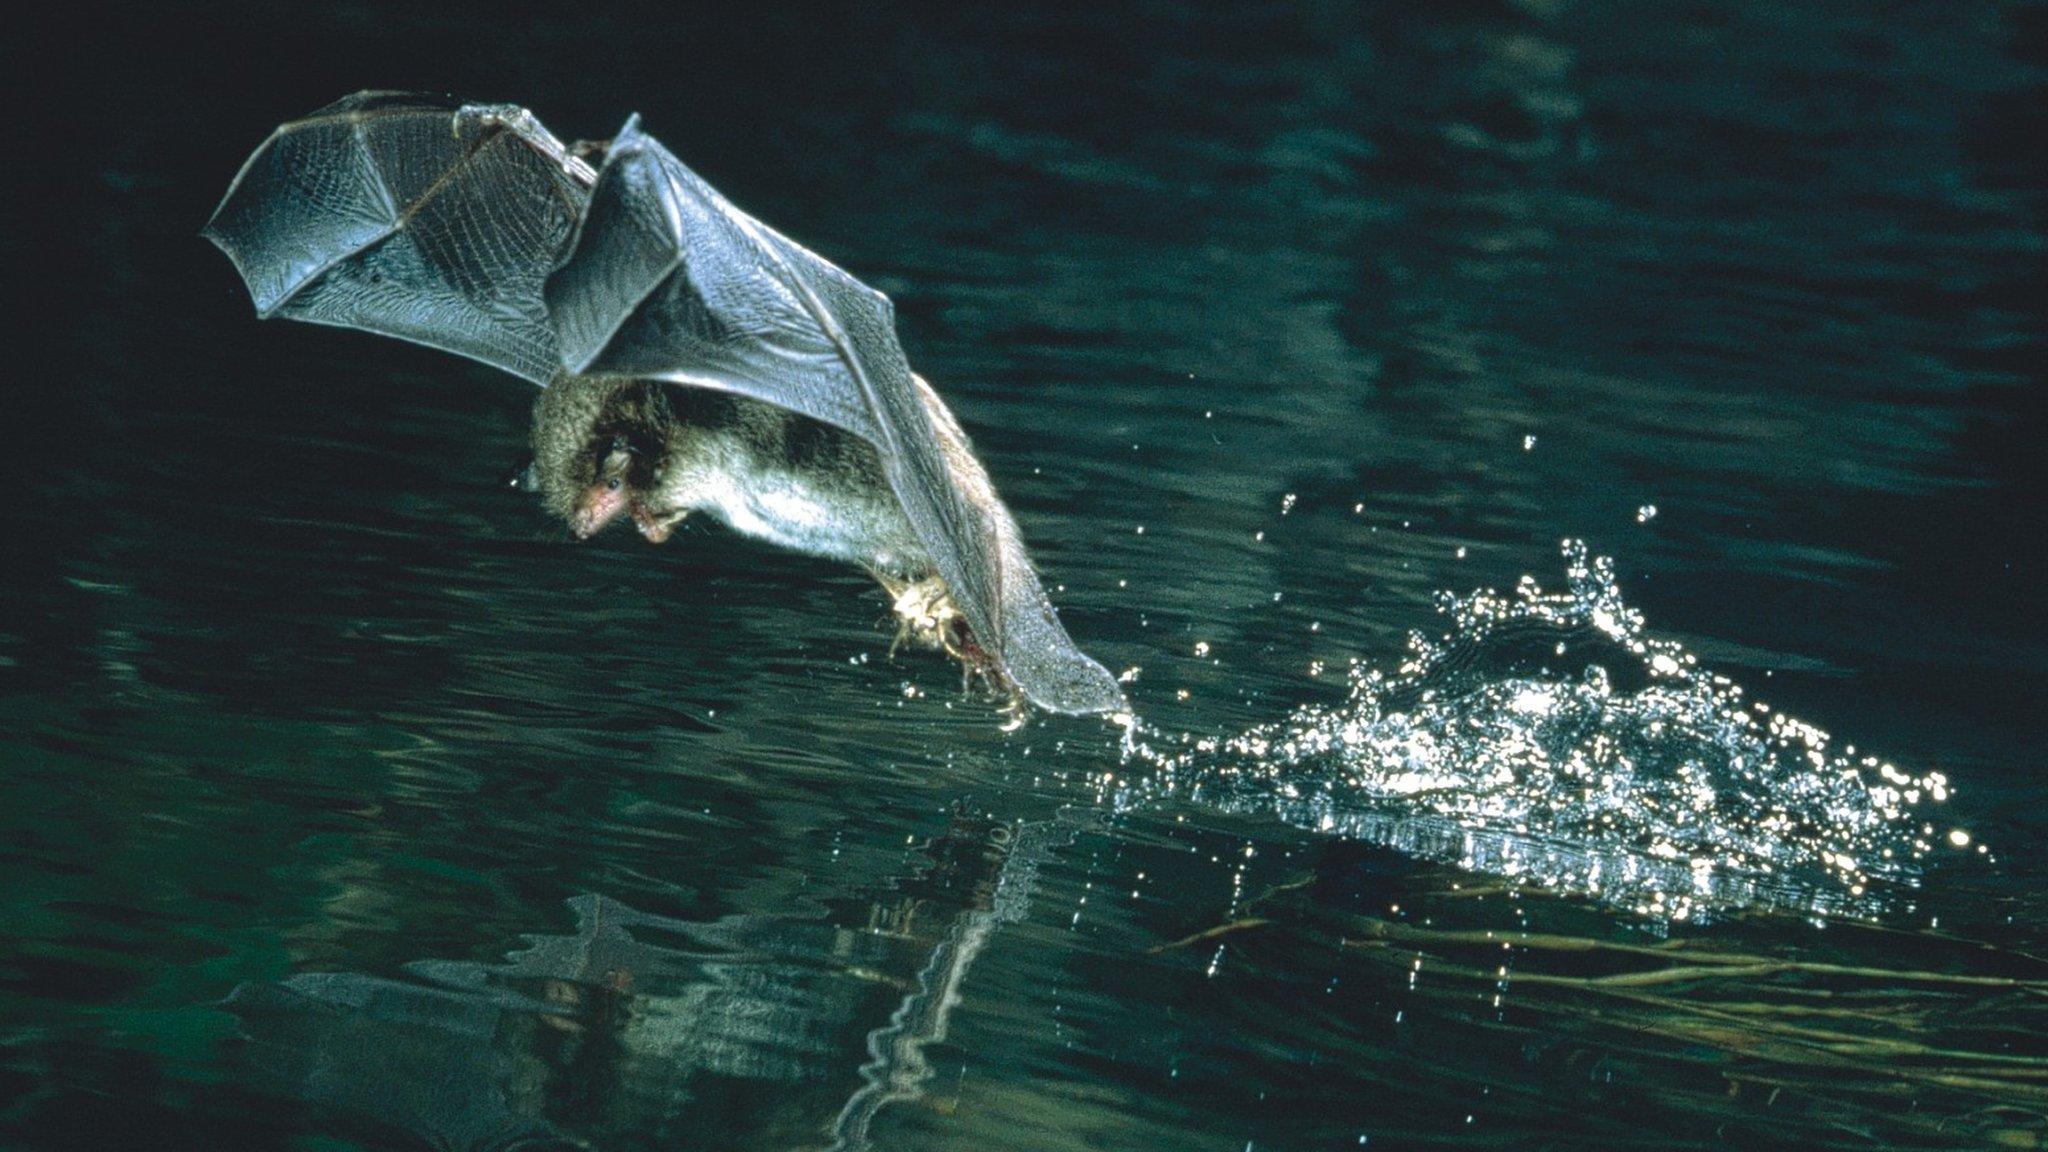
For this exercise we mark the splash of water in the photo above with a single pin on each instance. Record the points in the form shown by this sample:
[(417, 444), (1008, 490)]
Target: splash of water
[(1549, 740)]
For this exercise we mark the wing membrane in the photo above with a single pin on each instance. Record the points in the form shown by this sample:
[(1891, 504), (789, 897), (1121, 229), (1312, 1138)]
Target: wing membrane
[(666, 279), (411, 217)]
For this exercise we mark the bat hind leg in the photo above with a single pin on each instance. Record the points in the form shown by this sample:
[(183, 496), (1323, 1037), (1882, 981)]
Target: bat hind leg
[(927, 618), (925, 615)]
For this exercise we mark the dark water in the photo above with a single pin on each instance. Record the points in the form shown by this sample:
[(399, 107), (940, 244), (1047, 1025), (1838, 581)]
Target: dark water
[(347, 804)]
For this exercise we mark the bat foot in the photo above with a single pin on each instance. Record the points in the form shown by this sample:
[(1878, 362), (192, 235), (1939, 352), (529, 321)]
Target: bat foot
[(656, 527), (926, 617), (925, 614)]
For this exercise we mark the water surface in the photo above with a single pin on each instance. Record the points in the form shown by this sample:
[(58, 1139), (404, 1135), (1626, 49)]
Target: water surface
[(349, 804)]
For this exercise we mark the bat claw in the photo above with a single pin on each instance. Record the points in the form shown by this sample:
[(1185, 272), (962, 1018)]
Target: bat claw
[(656, 527), (927, 618)]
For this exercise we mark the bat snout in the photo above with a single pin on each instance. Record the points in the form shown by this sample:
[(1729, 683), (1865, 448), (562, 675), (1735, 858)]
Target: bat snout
[(601, 504)]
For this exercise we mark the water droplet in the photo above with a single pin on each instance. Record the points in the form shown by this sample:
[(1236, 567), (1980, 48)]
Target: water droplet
[(1618, 769)]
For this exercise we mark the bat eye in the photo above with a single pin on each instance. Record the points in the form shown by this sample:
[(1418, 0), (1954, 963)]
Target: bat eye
[(612, 485), (619, 443)]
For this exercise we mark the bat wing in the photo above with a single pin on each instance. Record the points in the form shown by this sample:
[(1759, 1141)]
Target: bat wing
[(413, 217), (665, 279), (471, 229)]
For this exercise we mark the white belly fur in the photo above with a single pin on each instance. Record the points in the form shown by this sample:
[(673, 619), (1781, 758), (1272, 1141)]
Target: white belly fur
[(786, 509)]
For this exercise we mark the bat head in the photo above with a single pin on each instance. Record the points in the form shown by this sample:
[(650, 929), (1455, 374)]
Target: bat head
[(702, 432), (606, 488), (596, 445)]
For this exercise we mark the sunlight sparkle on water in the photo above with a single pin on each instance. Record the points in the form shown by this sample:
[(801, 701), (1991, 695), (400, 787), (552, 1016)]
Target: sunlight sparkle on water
[(1548, 739)]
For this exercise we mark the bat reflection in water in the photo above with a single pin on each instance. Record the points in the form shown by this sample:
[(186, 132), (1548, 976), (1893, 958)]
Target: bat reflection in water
[(749, 1030), (691, 358)]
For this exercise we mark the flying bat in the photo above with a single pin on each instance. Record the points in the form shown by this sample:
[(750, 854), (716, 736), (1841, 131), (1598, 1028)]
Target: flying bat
[(691, 359)]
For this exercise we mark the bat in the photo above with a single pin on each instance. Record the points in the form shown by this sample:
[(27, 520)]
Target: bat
[(691, 359)]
